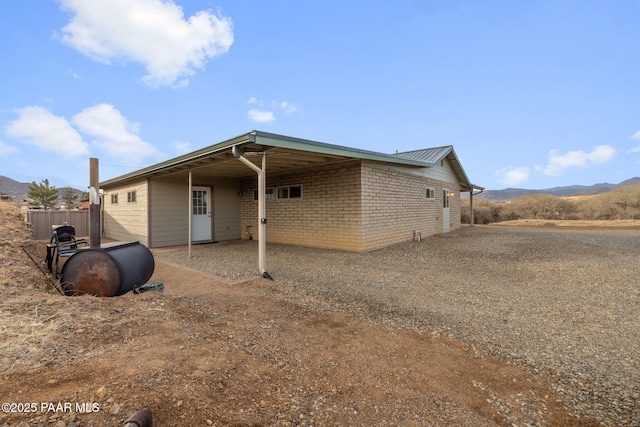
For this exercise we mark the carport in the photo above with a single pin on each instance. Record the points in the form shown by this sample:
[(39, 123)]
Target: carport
[(255, 154)]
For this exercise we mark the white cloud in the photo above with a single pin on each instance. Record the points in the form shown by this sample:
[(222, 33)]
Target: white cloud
[(558, 163), (288, 108), (38, 126), (113, 132), (7, 149), (182, 147), (261, 116), (635, 149), (513, 176), (151, 32)]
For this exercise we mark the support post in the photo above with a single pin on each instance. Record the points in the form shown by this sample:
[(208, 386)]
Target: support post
[(190, 204), (94, 204), (262, 210), (471, 218), (262, 218)]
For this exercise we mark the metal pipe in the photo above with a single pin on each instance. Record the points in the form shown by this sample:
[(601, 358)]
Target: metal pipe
[(262, 218), (51, 282), (190, 204), (262, 209)]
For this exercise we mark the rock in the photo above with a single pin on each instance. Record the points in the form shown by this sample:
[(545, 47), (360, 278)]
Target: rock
[(115, 409), (101, 392)]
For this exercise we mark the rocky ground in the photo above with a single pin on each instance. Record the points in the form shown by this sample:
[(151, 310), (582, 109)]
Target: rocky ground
[(410, 335)]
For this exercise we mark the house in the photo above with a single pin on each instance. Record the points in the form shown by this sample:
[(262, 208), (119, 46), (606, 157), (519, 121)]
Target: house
[(295, 191)]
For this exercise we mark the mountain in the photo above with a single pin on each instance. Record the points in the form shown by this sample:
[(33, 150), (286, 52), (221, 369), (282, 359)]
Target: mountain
[(18, 190), (571, 190), (632, 181)]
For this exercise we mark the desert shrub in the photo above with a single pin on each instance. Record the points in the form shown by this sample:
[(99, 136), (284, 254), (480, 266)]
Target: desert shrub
[(541, 206), (484, 211), (620, 203)]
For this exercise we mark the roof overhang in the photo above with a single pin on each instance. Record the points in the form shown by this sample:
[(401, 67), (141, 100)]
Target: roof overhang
[(284, 154), (434, 156)]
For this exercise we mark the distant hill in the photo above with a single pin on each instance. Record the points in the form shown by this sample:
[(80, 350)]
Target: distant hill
[(18, 190), (571, 190)]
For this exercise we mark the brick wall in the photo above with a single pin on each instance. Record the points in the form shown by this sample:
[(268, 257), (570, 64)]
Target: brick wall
[(327, 215), (351, 206), (395, 204), (126, 221)]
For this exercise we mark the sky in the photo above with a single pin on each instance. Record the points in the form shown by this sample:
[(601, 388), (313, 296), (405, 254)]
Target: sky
[(531, 94)]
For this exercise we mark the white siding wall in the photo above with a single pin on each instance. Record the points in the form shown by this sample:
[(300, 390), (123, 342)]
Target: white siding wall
[(444, 173), (127, 221), (169, 211), (226, 210)]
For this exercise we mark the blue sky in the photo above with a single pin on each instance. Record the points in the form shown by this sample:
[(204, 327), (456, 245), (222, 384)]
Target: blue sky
[(531, 94)]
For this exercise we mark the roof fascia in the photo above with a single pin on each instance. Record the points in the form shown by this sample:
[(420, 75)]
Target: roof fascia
[(281, 141), (183, 160), (452, 156)]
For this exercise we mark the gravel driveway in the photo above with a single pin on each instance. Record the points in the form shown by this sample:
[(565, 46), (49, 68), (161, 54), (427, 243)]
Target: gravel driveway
[(565, 301)]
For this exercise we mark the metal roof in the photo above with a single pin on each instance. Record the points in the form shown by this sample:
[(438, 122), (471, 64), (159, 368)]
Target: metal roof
[(284, 154), (435, 155), (427, 155)]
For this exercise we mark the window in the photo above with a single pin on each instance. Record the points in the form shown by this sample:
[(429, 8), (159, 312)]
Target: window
[(199, 202), (268, 192), (291, 192), (445, 198), (295, 192), (431, 193), (114, 199), (131, 196)]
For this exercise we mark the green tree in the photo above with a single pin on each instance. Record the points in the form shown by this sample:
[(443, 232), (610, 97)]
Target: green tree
[(42, 194), (69, 197)]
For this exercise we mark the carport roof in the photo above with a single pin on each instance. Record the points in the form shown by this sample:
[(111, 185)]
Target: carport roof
[(284, 153)]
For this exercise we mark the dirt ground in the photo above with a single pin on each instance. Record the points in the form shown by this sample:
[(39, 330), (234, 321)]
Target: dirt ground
[(210, 351)]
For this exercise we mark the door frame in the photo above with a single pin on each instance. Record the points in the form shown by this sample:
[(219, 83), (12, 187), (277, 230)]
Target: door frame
[(197, 226), (446, 213)]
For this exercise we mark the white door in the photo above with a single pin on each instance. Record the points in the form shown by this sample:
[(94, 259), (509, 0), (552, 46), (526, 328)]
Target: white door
[(446, 218), (201, 214)]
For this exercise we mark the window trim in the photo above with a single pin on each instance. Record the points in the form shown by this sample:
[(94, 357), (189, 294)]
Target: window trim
[(431, 191), (269, 193), (288, 189), (132, 196), (114, 199)]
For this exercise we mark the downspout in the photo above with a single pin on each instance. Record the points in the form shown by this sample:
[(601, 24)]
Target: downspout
[(190, 205), (262, 211)]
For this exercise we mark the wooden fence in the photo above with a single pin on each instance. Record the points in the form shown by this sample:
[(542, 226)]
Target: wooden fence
[(42, 222)]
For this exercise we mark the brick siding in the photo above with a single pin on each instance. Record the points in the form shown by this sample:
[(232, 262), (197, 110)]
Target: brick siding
[(351, 206), (395, 204), (327, 215)]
